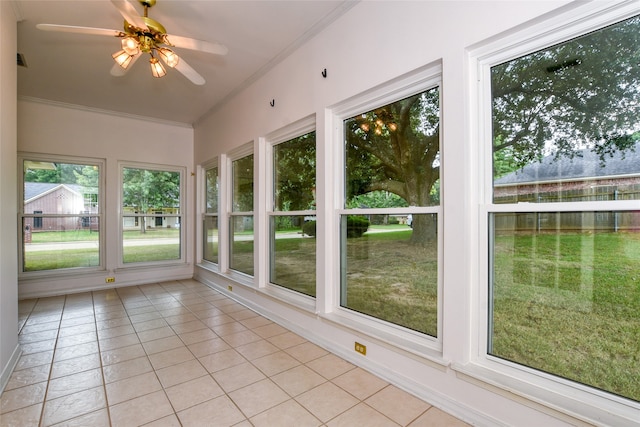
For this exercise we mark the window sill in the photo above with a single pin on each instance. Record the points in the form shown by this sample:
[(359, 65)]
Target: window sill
[(555, 396)]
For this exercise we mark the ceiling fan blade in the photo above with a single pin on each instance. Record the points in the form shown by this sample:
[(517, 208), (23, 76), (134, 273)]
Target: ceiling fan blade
[(194, 44), (80, 30), (118, 71), (129, 13), (189, 72)]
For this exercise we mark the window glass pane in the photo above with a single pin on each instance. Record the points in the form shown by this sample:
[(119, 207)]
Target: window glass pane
[(565, 120), (394, 151), (565, 297), (241, 256), (294, 166), (60, 242), (60, 228), (210, 231), (386, 276), (293, 253), (211, 190), (151, 215), (242, 191)]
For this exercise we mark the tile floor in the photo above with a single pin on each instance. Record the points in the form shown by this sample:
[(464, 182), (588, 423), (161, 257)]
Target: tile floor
[(181, 354)]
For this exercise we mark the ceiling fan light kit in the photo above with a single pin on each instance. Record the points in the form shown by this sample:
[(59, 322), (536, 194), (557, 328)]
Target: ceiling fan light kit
[(145, 35)]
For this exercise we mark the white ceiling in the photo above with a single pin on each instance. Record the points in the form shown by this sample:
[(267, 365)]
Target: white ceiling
[(75, 68)]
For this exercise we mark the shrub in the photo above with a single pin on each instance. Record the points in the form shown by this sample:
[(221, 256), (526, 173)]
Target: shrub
[(356, 227), (309, 228)]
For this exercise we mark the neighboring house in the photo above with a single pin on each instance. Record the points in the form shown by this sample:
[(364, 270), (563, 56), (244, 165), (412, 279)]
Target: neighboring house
[(59, 199), (154, 221), (581, 178)]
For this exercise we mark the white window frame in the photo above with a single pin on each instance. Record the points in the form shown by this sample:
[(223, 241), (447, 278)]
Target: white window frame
[(203, 213), (121, 215), (414, 82), (226, 203), (554, 395), (294, 130), (100, 163)]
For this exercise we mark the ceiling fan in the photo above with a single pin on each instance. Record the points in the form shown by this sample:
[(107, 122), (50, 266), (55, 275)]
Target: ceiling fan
[(144, 35)]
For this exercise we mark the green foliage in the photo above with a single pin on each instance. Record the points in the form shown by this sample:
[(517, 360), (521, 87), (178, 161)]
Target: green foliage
[(377, 199), (577, 94), (309, 228), (294, 164), (357, 226), (145, 189)]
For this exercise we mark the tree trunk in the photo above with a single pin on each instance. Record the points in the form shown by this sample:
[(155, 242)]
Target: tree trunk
[(425, 229)]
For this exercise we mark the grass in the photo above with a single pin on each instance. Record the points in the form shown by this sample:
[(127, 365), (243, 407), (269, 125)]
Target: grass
[(569, 305)]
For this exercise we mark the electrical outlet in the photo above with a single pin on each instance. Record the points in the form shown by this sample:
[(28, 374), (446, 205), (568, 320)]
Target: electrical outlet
[(361, 348), (110, 279), (230, 288)]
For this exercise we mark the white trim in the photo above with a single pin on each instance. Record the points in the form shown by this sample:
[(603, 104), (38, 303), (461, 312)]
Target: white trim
[(9, 367)]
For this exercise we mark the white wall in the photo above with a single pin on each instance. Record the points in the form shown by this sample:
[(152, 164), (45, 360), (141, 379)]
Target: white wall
[(9, 349), (374, 43), (62, 130)]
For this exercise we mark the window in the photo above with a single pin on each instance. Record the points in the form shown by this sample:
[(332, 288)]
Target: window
[(210, 216), (241, 216), (389, 221), (60, 216), (151, 210), (564, 221), (292, 222)]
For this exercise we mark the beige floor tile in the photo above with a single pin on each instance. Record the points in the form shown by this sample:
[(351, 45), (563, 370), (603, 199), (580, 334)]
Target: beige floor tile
[(257, 349), (170, 357), (78, 329), (298, 380), (132, 387), (220, 411), (154, 334), (227, 328), (113, 322), (28, 376), (34, 359), (275, 363), (18, 398), (25, 417), (99, 418), (360, 383), (38, 346), (286, 340), (355, 415), (269, 330), (27, 329), (181, 318), (194, 325), (162, 344), (51, 334), (205, 348), (434, 417), (221, 360), (306, 352), (122, 354), (217, 321), (75, 321), (386, 402), (75, 351), (243, 314), (241, 338), (287, 414), (73, 405), (258, 397), (255, 322), (126, 369), (118, 342), (151, 314), (326, 401), (75, 365), (149, 324), (180, 373), (238, 376), (115, 332), (194, 392), (74, 383), (207, 313), (73, 340), (330, 366), (198, 336), (141, 410), (170, 421)]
